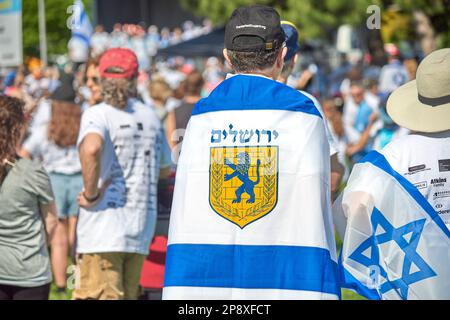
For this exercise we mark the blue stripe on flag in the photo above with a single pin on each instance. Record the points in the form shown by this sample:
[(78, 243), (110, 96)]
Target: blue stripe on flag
[(380, 161), (82, 37), (247, 92), (251, 267)]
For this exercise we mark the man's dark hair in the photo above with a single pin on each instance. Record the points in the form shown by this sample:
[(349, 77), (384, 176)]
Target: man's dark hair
[(246, 62)]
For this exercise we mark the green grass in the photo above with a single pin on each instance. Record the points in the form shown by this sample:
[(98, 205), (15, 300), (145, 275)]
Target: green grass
[(350, 295), (54, 295)]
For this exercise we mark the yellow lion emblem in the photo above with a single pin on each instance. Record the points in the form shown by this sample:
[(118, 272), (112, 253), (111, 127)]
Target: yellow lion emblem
[(243, 182)]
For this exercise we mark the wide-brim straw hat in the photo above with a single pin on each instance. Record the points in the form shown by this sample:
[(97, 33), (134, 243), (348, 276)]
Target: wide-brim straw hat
[(423, 105)]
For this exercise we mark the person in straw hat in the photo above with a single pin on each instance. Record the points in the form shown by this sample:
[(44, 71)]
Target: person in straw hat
[(423, 106), (394, 214)]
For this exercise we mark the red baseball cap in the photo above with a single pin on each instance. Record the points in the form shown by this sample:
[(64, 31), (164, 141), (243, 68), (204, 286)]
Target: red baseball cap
[(392, 49), (118, 63)]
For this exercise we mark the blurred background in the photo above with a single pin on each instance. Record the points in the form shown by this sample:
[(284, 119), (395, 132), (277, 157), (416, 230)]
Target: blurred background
[(352, 54)]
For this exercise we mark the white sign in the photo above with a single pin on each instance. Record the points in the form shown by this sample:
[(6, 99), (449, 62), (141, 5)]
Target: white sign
[(10, 33)]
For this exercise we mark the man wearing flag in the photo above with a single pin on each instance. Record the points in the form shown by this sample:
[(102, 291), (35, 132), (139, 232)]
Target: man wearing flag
[(251, 216), (395, 210)]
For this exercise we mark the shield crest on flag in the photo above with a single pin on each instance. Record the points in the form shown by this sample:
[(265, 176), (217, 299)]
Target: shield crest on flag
[(243, 182)]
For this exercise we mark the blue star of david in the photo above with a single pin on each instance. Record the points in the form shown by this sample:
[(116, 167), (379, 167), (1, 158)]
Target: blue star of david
[(409, 248)]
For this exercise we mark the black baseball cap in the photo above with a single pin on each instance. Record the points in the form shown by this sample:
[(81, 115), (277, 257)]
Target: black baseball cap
[(254, 28)]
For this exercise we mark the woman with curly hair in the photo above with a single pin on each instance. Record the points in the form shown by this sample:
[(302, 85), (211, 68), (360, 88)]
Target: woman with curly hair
[(54, 145), (27, 211)]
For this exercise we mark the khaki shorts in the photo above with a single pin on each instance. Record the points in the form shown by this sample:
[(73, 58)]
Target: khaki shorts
[(108, 276)]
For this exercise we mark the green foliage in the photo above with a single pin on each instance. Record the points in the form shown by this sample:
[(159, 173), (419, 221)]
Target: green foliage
[(56, 19), (437, 10), (317, 18)]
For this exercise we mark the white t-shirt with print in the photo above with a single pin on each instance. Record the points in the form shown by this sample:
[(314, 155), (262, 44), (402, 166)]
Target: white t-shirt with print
[(424, 160), (54, 159), (134, 150)]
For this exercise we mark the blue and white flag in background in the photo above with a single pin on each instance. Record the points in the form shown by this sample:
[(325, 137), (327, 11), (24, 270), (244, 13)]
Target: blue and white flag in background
[(395, 244), (79, 23), (251, 215)]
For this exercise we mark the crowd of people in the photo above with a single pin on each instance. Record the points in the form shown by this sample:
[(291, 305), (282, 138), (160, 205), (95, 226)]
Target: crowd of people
[(144, 42), (87, 143)]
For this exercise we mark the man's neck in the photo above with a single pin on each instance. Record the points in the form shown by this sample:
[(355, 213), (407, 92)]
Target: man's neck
[(254, 73)]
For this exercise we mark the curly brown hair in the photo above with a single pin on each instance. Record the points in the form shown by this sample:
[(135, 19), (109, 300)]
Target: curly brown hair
[(116, 92), (12, 120), (64, 125)]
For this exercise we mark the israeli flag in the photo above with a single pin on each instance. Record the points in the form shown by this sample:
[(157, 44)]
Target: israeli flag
[(80, 24), (251, 215), (395, 244)]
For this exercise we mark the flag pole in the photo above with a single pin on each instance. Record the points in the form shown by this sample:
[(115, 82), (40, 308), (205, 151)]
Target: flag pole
[(42, 32)]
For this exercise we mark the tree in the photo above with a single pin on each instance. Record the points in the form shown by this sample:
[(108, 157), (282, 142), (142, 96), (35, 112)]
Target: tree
[(318, 18), (56, 16), (432, 19), (315, 17)]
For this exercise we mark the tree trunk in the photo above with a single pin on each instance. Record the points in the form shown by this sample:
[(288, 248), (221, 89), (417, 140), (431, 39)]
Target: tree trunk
[(425, 31)]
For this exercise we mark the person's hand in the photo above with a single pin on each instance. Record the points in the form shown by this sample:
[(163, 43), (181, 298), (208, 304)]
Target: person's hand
[(85, 203)]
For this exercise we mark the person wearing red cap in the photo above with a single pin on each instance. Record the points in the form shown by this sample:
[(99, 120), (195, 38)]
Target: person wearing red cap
[(122, 149)]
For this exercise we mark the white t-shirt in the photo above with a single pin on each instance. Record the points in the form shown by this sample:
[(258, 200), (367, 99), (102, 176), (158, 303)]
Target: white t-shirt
[(134, 149), (54, 158), (424, 159)]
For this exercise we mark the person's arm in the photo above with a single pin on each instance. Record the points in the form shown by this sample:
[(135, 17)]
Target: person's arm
[(337, 171), (365, 136), (39, 182), (304, 79), (166, 159), (50, 216), (357, 147), (90, 156), (171, 126)]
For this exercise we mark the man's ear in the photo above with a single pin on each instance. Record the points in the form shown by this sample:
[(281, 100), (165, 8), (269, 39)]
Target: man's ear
[(295, 59), (225, 55), (280, 58)]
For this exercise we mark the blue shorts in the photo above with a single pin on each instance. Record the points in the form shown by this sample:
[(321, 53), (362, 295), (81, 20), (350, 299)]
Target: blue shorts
[(66, 189)]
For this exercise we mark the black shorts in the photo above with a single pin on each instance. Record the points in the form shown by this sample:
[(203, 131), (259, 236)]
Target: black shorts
[(24, 293)]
